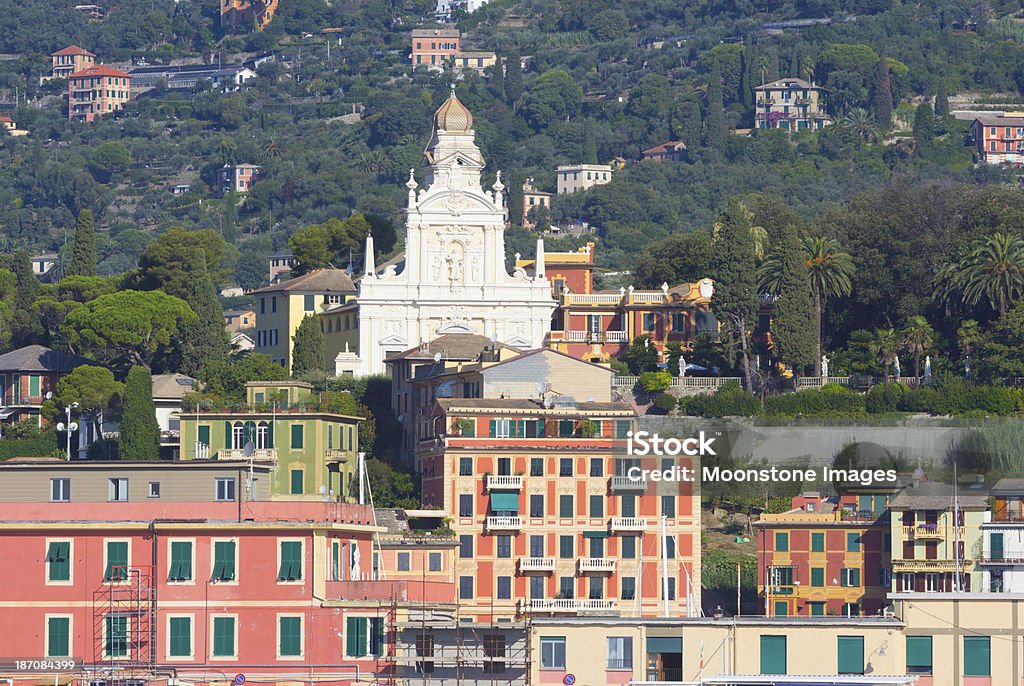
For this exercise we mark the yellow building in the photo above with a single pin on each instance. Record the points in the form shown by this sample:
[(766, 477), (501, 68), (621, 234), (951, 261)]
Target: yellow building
[(281, 307), (791, 105), (250, 13)]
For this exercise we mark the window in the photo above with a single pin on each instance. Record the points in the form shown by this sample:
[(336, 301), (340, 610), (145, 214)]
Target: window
[(117, 490), (465, 504), (308, 302), (852, 543), (628, 505), (504, 546), (628, 584), (670, 547), (357, 636), (289, 636), (223, 561), (434, 562), (465, 588), (465, 466), (931, 582), (919, 654), (536, 587), (817, 609), (668, 506), (296, 436), (977, 656), (907, 584), (536, 466), (154, 489), (225, 487), (552, 652), (296, 482), (179, 568), (117, 561), (565, 466), (620, 652), (565, 547), (781, 542), (179, 637), (596, 506), (817, 577), (596, 466), (628, 547), (291, 561), (851, 654), (567, 587), (58, 637), (494, 647), (536, 505), (223, 636), (596, 588), (648, 322), (424, 648), (115, 643), (671, 589), (504, 587), (466, 546), (58, 561), (850, 577), (773, 654), (60, 490), (817, 542), (565, 508), (403, 561)]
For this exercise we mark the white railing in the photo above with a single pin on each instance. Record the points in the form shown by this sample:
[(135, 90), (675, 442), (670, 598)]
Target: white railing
[(567, 605), (503, 481), (202, 451), (504, 523), (597, 564), (624, 483), (628, 524), (536, 564), (709, 382), (334, 455), (239, 454), (628, 381), (616, 337), (819, 381), (591, 298), (649, 298)]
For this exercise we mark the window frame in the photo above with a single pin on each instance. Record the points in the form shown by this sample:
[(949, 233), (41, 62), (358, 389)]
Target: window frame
[(65, 489), (191, 637), (279, 654), (46, 633), (556, 659), (625, 648), (213, 561), (70, 581), (218, 481), (191, 580), (301, 579), (213, 636), (127, 562)]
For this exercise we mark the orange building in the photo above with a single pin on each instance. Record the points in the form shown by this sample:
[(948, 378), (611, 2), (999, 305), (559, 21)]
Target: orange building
[(97, 91), (533, 198), (70, 60), (254, 13), (438, 47)]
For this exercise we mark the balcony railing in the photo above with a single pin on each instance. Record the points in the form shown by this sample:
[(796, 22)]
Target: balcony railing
[(503, 481), (536, 564), (239, 454), (929, 531), (927, 565), (567, 605), (624, 483), (591, 298), (1001, 560), (504, 523), (593, 336), (628, 524), (1007, 516), (332, 455), (597, 564)]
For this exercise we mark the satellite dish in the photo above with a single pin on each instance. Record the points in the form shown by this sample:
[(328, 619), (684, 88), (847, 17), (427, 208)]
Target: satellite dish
[(437, 357), (249, 449), (49, 395)]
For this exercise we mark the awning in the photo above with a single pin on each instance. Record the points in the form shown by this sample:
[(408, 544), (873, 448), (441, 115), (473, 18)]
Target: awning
[(664, 644), (504, 502), (595, 534), (4, 414)]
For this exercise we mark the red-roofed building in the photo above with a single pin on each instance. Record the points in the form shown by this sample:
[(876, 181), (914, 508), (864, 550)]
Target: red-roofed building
[(673, 151), (70, 60), (97, 91)]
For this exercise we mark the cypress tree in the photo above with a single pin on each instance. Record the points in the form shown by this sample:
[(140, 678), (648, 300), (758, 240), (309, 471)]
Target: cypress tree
[(308, 350), (924, 129), (734, 269), (139, 437), (715, 120), (589, 143), (793, 320), (513, 78), (498, 79), (883, 96), (26, 285), (687, 123), (746, 94), (83, 254), (205, 340), (941, 102)]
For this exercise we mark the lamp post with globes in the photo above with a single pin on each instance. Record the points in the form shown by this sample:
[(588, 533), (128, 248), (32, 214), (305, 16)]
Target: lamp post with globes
[(69, 427)]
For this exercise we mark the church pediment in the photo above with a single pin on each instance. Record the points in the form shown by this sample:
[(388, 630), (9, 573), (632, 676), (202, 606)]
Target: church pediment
[(393, 339), (456, 202)]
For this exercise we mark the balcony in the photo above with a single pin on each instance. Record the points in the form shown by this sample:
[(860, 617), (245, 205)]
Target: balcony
[(927, 565), (597, 564), (1001, 560), (504, 523), (566, 605), (536, 564), (929, 531), (624, 483), (503, 482), (332, 455), (259, 454), (628, 524), (591, 298)]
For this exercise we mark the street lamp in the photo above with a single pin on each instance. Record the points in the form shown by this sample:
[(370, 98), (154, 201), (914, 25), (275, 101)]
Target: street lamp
[(69, 427)]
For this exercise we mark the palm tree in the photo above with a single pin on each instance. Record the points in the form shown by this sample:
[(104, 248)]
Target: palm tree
[(992, 272), (860, 122), (918, 336), (887, 347), (829, 270)]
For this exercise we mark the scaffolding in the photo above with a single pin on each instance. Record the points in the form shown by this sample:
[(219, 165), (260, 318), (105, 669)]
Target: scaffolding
[(124, 628)]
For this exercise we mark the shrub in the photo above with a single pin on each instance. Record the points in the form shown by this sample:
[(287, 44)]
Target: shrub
[(665, 402), (655, 381), (831, 400), (729, 401), (885, 397)]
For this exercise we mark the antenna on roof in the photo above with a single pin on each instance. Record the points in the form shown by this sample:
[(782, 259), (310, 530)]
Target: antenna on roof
[(437, 357)]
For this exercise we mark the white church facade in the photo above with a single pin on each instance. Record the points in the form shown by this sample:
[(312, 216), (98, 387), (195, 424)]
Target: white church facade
[(452, 276)]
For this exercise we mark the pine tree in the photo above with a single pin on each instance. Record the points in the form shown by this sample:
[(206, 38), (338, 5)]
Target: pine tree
[(924, 129), (498, 79), (513, 78), (715, 120), (205, 340), (139, 437), (883, 96), (589, 143), (793, 318), (308, 350), (734, 270), (83, 255)]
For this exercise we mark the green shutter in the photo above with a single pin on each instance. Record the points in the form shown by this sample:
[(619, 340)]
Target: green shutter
[(977, 656), (291, 561), (270, 435), (855, 578), (504, 502), (773, 654), (336, 560), (851, 654), (224, 561), (878, 504), (565, 506), (180, 634), (33, 385), (919, 652), (117, 636), (817, 609), (377, 636), (180, 568), (297, 488), (291, 636), (493, 428), (117, 556), (356, 636), (781, 542), (59, 642), (817, 577), (296, 436), (57, 555), (203, 434), (817, 542), (996, 545), (227, 434), (223, 636), (852, 543)]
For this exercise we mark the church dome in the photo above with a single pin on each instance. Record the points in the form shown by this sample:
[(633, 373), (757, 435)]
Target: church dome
[(453, 116)]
